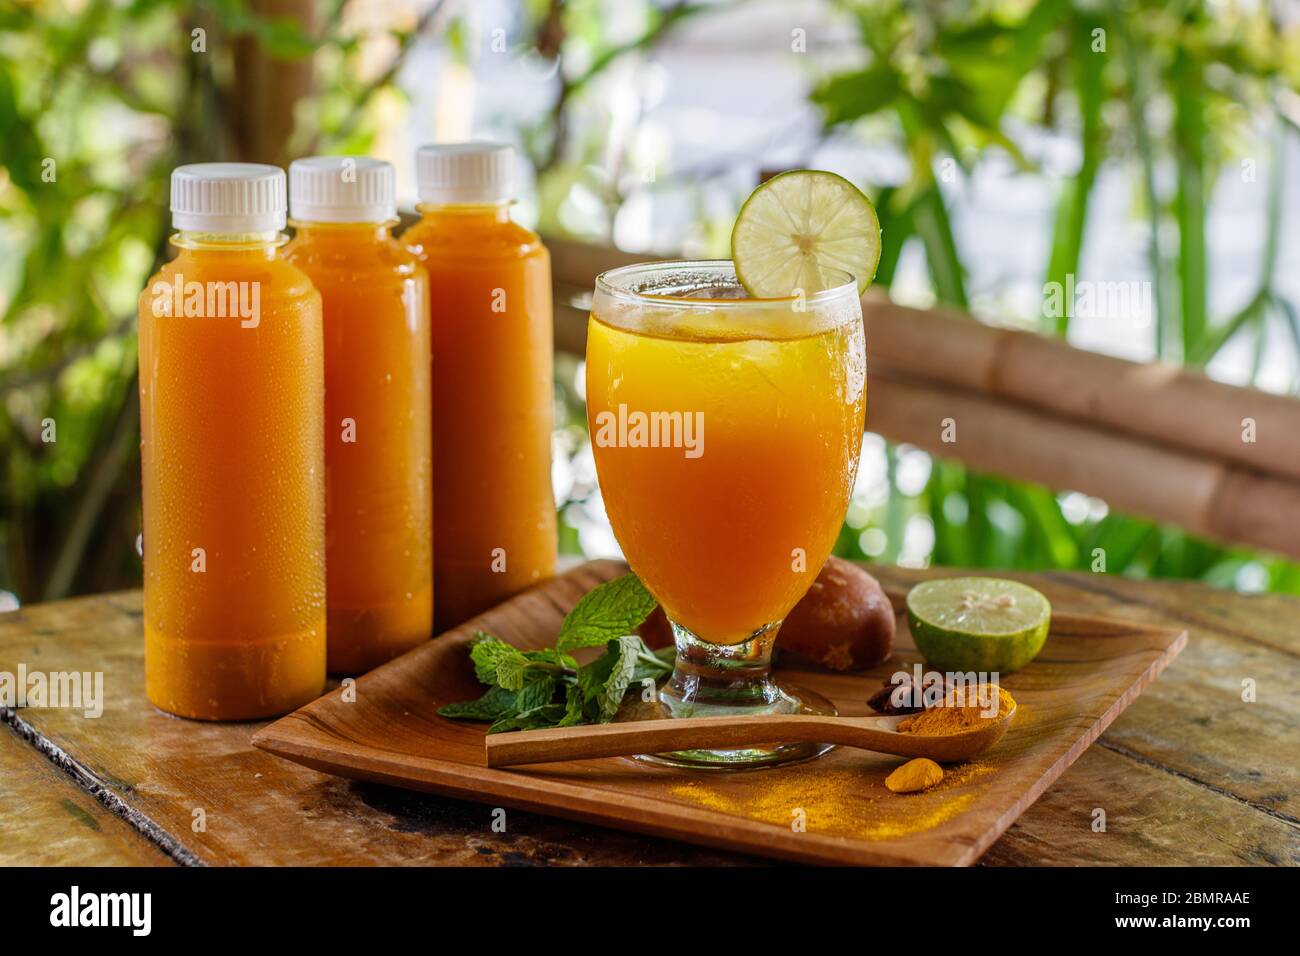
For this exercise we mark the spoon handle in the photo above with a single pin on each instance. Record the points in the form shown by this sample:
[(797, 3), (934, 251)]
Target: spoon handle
[(690, 733)]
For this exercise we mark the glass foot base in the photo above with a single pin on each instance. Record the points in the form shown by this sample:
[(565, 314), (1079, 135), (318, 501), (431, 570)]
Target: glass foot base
[(788, 699), (711, 680)]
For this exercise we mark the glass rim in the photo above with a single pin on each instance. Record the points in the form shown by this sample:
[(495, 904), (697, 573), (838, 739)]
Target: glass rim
[(605, 285)]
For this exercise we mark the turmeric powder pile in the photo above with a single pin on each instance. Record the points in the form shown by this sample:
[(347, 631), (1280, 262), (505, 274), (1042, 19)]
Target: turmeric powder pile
[(965, 708), (915, 776)]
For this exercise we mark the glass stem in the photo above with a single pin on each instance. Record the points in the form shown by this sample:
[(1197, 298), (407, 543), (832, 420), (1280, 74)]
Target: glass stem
[(710, 677)]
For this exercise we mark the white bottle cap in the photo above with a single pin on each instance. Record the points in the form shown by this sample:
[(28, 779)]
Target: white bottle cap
[(450, 173), (228, 197), (342, 189)]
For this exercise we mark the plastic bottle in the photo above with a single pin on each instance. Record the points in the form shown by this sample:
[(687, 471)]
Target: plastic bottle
[(231, 401), (490, 311), (378, 472)]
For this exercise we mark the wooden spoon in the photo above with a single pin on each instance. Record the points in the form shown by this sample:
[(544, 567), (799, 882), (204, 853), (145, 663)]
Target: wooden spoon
[(878, 733)]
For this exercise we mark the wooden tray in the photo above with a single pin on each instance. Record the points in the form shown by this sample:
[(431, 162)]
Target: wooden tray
[(1089, 671)]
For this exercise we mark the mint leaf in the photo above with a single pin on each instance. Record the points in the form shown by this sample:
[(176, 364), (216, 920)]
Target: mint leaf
[(592, 677), (547, 716), (611, 696), (610, 611), (573, 701), (487, 653), (552, 658), (496, 703), (653, 664), (605, 680), (538, 689), (510, 670)]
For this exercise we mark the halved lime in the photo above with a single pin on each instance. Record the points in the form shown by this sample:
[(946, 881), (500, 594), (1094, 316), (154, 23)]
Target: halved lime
[(978, 624), (802, 231)]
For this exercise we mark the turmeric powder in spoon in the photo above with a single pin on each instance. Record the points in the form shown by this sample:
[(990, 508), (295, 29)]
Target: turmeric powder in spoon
[(966, 707)]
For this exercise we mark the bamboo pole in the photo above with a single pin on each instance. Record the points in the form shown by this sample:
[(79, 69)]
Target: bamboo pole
[(1204, 495), (1176, 407), (266, 90)]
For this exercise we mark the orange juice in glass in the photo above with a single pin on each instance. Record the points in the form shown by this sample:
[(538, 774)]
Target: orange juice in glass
[(726, 431)]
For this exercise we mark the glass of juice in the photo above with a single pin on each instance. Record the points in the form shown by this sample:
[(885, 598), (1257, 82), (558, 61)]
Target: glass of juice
[(726, 431)]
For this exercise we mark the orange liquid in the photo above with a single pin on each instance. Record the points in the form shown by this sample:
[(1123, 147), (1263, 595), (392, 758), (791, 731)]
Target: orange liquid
[(730, 540), (490, 309), (234, 497), (378, 468)]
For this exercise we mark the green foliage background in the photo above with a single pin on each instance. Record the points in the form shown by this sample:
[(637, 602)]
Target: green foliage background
[(100, 99)]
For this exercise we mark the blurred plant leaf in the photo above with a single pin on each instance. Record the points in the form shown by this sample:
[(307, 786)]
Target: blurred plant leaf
[(851, 96)]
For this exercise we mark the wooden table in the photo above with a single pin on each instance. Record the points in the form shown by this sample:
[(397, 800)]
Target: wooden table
[(1190, 774)]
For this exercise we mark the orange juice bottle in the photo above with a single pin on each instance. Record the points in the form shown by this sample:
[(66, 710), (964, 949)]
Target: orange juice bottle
[(378, 491), (231, 404), (490, 309)]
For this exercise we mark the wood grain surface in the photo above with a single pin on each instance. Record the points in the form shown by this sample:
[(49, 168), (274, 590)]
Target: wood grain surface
[(835, 809), (1188, 774), (48, 820)]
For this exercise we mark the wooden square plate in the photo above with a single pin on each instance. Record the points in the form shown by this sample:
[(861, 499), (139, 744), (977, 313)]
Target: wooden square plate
[(831, 810)]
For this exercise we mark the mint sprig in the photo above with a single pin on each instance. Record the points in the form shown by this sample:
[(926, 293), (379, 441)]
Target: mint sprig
[(547, 688)]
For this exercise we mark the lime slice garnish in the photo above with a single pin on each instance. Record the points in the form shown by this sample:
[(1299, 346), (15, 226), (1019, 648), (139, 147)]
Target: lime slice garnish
[(802, 231), (978, 624)]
